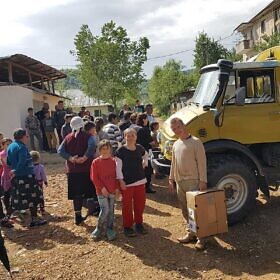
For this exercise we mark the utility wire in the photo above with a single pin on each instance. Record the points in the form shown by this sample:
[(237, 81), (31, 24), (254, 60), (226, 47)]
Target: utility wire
[(163, 56), (171, 54), (188, 50), (226, 37)]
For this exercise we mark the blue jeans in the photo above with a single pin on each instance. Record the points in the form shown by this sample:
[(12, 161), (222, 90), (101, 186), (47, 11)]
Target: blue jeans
[(106, 215)]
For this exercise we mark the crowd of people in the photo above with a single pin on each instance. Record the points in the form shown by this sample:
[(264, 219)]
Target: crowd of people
[(50, 128), (103, 161), (81, 140)]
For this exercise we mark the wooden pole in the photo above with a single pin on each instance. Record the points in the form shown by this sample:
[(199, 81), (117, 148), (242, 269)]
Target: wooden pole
[(10, 71), (53, 91), (28, 70), (30, 78)]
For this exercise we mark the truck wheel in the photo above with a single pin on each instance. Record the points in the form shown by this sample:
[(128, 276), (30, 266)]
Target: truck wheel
[(237, 178)]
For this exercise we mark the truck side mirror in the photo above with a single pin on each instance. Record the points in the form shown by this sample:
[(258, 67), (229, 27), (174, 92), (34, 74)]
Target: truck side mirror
[(240, 95)]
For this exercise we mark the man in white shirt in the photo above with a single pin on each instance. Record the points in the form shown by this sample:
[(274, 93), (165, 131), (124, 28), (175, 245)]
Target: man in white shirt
[(188, 171)]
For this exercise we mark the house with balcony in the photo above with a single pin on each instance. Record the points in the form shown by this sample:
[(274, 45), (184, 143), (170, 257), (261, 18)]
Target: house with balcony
[(266, 22)]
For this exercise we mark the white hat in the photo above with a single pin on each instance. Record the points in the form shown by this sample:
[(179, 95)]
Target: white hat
[(76, 123)]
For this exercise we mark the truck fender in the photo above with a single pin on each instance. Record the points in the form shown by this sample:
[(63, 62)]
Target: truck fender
[(220, 146)]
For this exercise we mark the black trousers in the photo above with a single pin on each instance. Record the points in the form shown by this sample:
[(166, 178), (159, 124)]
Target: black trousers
[(60, 138), (45, 140), (77, 204), (148, 174), (2, 215)]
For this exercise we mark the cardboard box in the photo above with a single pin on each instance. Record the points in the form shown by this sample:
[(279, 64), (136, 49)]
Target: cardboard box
[(207, 212)]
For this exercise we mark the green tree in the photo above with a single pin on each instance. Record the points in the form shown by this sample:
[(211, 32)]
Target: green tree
[(72, 81), (268, 41), (111, 63), (233, 56), (208, 51), (166, 83)]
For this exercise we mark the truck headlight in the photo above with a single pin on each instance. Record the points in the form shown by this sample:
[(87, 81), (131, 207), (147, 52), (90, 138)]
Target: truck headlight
[(168, 146)]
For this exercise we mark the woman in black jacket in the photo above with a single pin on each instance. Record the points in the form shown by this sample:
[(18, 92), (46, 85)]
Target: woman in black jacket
[(145, 139)]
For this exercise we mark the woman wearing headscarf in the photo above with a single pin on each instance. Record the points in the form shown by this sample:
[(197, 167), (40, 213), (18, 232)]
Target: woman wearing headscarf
[(25, 193), (78, 149)]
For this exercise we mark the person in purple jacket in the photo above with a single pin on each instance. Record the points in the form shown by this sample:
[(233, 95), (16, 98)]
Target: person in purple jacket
[(40, 176)]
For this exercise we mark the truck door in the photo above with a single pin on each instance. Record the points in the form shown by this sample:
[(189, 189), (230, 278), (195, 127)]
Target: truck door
[(258, 121)]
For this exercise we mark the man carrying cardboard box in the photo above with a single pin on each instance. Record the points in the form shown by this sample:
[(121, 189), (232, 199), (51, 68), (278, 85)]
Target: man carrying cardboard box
[(188, 171)]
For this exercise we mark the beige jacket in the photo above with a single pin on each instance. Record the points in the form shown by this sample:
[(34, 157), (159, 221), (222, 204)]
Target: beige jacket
[(188, 160)]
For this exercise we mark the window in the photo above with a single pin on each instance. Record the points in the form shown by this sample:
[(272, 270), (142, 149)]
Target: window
[(263, 86), (250, 89), (230, 90), (97, 113), (263, 26), (207, 87), (259, 86)]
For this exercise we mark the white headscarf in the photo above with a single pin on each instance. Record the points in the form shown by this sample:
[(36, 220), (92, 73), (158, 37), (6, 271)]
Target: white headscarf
[(76, 124)]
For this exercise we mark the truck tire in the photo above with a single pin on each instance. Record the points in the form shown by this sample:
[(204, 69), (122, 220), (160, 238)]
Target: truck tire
[(237, 178)]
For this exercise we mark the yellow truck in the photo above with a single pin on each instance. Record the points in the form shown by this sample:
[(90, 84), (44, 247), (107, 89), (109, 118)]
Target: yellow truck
[(235, 111)]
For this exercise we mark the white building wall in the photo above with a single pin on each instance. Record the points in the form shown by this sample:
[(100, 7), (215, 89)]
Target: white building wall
[(102, 108), (39, 99), (14, 101)]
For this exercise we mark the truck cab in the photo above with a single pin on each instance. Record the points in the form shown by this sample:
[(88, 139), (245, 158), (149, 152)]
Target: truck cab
[(235, 111)]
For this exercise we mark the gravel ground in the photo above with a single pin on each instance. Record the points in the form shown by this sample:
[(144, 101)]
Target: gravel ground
[(61, 250)]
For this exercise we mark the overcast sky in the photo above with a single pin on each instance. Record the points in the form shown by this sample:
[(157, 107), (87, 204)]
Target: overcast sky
[(45, 30)]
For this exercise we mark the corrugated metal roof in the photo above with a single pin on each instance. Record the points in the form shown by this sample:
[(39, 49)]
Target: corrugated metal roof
[(34, 65), (42, 91)]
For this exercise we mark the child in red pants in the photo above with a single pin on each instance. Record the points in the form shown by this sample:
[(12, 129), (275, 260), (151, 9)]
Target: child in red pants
[(131, 159)]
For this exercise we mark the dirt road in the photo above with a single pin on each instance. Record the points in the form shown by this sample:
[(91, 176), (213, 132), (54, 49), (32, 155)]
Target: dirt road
[(60, 250)]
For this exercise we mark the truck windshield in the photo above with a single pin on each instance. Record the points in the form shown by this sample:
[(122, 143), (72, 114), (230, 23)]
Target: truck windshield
[(206, 89)]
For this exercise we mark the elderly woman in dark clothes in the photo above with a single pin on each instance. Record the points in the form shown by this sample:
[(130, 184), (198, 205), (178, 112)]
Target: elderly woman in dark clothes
[(145, 139), (25, 193), (78, 149)]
